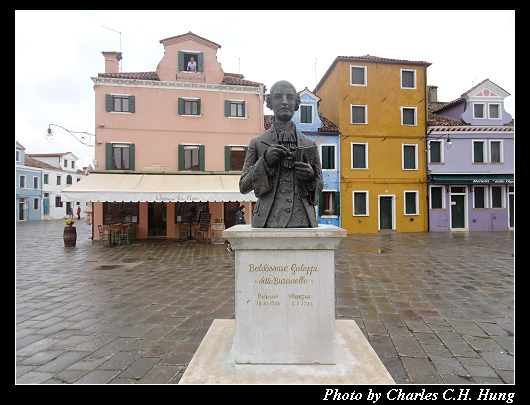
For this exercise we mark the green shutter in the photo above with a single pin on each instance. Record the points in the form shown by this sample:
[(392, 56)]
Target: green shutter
[(181, 60), (131, 156), (132, 102), (108, 102), (201, 158), (199, 106), (227, 108), (181, 106), (181, 157), (321, 204), (337, 203), (108, 156), (244, 107), (200, 62), (227, 158), (325, 157)]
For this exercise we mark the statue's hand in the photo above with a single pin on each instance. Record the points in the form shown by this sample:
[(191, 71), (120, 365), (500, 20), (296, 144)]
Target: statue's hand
[(274, 153), (304, 171)]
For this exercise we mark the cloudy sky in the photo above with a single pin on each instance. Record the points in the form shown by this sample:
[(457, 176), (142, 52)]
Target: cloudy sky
[(57, 52)]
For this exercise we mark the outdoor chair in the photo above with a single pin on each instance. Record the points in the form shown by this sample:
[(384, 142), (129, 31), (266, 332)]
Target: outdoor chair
[(103, 236), (182, 233), (123, 236)]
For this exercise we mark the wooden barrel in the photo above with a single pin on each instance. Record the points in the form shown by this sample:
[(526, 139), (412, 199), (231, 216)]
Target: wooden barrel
[(217, 229), (69, 235)]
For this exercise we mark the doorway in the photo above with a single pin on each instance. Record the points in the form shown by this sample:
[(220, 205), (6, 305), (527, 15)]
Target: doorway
[(230, 210), (22, 209), (157, 223), (458, 208), (386, 212)]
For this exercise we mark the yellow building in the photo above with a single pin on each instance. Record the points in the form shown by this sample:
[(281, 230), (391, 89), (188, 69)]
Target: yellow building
[(380, 106)]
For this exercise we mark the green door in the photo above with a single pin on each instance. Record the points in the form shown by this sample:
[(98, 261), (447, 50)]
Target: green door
[(385, 213), (458, 211)]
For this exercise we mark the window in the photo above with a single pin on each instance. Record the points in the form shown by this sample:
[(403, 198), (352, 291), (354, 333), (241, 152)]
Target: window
[(410, 157), (497, 197), (58, 180), (328, 203), (190, 211), (65, 163), (58, 202), (36, 203), (411, 203), (17, 156), (408, 78), (189, 106), (359, 155), (235, 157), (479, 197), (478, 151), (435, 152), (408, 115), (359, 114), (69, 180), (357, 75), (35, 182), (22, 181), (184, 57), (191, 157), (478, 111), (234, 108), (494, 111), (437, 197), (120, 103), (45, 178), (306, 114), (73, 164), (327, 153), (119, 156), (496, 155), (360, 203)]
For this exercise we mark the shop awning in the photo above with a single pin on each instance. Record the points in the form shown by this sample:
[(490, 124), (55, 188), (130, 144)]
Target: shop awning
[(142, 187), (473, 178)]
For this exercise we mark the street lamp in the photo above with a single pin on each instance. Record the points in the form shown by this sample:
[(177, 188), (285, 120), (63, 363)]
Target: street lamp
[(83, 137)]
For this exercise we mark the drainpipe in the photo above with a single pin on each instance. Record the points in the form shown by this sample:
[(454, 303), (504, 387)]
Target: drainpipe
[(426, 144)]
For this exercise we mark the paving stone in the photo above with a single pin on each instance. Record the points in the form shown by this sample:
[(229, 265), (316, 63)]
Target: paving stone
[(424, 313)]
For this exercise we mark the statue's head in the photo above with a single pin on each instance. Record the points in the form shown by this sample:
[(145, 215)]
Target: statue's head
[(283, 100)]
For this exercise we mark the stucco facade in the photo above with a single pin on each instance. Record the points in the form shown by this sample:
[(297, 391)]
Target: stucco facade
[(171, 122), (380, 106)]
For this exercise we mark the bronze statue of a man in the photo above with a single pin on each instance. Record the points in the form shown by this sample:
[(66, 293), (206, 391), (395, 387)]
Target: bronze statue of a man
[(283, 168)]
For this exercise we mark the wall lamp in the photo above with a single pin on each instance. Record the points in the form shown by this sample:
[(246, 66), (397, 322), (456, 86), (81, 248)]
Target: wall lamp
[(83, 137)]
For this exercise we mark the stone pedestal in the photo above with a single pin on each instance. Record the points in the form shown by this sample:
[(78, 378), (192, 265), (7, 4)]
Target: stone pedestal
[(285, 294)]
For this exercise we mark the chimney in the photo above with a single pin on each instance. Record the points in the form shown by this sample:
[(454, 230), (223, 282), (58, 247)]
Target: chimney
[(432, 94), (112, 61)]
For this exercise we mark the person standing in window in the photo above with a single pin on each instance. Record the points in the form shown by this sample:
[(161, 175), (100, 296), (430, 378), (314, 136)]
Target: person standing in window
[(192, 65)]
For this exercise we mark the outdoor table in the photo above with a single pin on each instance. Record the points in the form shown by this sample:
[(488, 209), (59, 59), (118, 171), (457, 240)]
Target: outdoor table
[(190, 223), (110, 230)]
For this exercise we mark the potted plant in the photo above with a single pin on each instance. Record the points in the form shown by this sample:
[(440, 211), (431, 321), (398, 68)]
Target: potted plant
[(328, 212), (70, 233)]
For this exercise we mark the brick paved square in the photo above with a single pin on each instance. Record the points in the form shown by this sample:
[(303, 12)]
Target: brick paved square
[(436, 307)]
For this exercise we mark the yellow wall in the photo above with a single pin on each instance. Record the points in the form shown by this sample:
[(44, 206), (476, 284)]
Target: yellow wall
[(385, 135)]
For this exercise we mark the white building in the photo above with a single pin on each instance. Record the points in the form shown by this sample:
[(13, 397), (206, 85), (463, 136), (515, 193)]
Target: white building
[(59, 171)]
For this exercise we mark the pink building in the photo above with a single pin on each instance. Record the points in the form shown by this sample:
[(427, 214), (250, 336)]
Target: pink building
[(170, 143)]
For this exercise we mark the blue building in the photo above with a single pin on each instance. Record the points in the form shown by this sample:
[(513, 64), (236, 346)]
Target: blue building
[(327, 136), (28, 188)]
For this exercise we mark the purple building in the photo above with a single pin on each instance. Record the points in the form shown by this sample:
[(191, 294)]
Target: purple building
[(470, 161)]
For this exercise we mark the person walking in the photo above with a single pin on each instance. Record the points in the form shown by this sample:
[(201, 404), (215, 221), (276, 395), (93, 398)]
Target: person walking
[(240, 220)]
